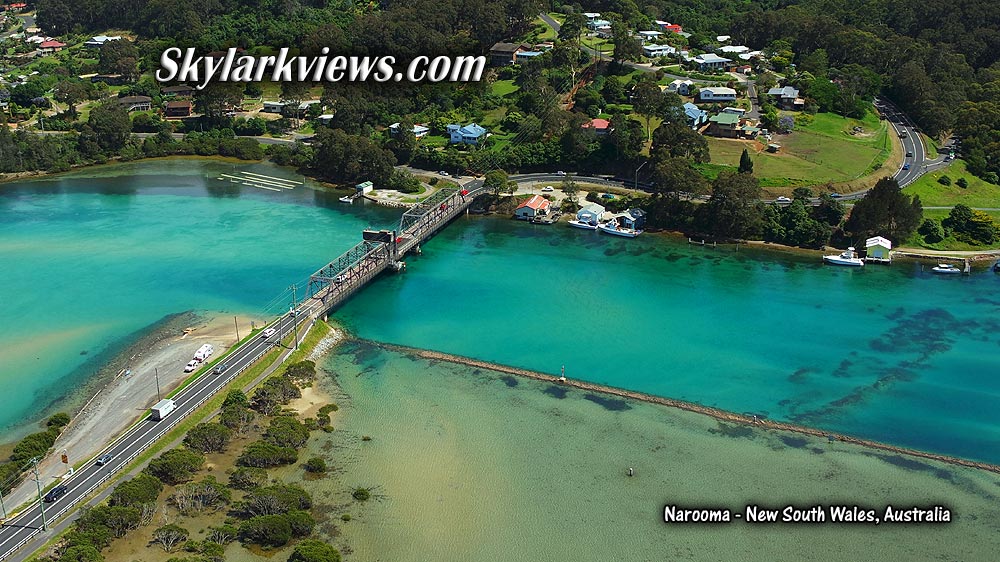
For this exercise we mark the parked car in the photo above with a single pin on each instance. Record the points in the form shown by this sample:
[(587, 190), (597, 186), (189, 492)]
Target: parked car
[(547, 189), (104, 459), (192, 365), (909, 154), (443, 173), (55, 493)]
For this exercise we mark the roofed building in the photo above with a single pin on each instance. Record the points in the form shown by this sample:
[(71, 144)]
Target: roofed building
[(136, 103), (534, 206)]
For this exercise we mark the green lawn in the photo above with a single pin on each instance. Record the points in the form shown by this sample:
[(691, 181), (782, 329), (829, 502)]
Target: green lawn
[(434, 140), (504, 88), (933, 194), (931, 145)]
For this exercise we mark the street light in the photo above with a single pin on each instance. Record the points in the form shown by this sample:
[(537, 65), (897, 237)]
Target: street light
[(636, 184)]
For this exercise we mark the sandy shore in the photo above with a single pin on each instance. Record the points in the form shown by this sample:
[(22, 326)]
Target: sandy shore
[(126, 398)]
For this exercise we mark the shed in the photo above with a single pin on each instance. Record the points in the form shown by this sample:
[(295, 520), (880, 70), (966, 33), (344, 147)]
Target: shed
[(365, 187), (536, 205), (591, 213), (878, 249)]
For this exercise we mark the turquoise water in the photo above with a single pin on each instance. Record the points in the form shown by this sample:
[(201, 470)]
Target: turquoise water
[(888, 353), (89, 258), (471, 465)]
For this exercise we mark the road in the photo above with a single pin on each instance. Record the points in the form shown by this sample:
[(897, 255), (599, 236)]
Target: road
[(20, 529), (914, 159)]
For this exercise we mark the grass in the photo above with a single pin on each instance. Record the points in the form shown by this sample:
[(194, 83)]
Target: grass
[(504, 88), (933, 194), (931, 145)]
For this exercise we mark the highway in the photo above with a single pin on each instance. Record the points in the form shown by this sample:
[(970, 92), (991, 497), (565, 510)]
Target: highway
[(914, 155), (19, 530)]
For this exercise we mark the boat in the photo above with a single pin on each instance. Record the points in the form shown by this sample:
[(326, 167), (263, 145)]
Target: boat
[(347, 199), (846, 258), (582, 224), (996, 267), (945, 269), (614, 228)]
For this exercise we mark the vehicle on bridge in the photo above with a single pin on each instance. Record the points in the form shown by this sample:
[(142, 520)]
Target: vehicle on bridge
[(162, 409)]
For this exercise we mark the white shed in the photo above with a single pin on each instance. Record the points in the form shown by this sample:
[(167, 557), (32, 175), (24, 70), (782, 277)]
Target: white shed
[(878, 249)]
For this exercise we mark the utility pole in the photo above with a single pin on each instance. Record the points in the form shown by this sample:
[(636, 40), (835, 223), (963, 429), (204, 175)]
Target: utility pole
[(3, 508), (295, 320), (41, 501), (156, 373), (237, 328), (636, 184)]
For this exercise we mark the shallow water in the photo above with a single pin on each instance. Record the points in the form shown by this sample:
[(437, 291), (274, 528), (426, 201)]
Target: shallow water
[(472, 465)]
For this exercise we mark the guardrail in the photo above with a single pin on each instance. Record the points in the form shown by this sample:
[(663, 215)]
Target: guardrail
[(165, 429)]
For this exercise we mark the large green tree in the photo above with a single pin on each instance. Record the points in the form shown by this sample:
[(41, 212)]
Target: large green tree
[(733, 211), (885, 211)]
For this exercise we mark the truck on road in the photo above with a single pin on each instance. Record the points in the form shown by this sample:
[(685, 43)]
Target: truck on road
[(162, 409)]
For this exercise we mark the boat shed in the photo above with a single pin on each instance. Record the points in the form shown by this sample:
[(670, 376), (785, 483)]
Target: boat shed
[(878, 249), (590, 214), (536, 205), (364, 187)]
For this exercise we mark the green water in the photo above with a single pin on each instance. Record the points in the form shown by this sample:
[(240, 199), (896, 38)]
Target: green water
[(90, 258), (467, 465)]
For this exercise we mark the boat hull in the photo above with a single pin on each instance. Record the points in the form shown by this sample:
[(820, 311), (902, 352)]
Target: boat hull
[(837, 260), (583, 225), (623, 233)]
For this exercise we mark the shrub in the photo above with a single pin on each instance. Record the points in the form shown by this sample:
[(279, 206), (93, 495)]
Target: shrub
[(279, 498), (962, 182), (266, 530), (301, 523), (222, 535), (944, 180), (140, 490), (208, 437), (262, 454), (345, 517), (170, 537), (286, 431), (314, 551), (302, 371), (176, 465), (362, 494), (931, 230), (272, 393), (34, 445), (316, 465), (58, 420)]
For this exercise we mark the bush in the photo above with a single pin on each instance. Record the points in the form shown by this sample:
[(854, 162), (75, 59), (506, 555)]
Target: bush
[(208, 437), (301, 372), (314, 551), (931, 230), (176, 465), (140, 490), (345, 517), (247, 478), (170, 537), (944, 180), (362, 494), (301, 523), (59, 420), (262, 454), (273, 393), (286, 431), (316, 465), (962, 182), (279, 498), (266, 530), (34, 445)]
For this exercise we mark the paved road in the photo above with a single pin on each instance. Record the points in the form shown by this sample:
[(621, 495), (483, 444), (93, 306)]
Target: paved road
[(18, 530), (915, 162)]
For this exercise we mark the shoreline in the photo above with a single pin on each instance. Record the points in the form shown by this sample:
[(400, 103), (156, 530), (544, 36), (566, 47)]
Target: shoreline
[(717, 413)]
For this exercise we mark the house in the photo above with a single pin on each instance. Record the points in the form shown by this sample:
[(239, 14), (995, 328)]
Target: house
[(16, 7), (605, 32), (737, 111), (178, 108), (596, 24), (599, 126), (695, 117), (724, 125), (667, 26), (180, 90), (682, 87), (544, 46), (716, 94), (136, 103), (650, 35), (96, 41), (525, 56), (722, 38), (325, 119), (654, 51), (751, 55), (786, 97), (591, 213), (633, 218), (274, 107), (591, 16), (744, 69), (710, 61), (469, 134), (533, 207), (734, 49), (878, 249), (50, 46), (419, 131), (37, 39), (502, 54)]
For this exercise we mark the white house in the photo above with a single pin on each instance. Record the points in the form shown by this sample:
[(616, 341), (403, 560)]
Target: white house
[(96, 41), (591, 213), (737, 111), (533, 207), (716, 94), (274, 106), (655, 51), (722, 38), (734, 49), (419, 131), (711, 61), (682, 87), (325, 119), (878, 248), (469, 134), (591, 16), (596, 24), (650, 35)]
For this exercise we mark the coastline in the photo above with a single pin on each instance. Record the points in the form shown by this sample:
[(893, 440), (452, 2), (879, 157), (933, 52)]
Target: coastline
[(120, 400), (719, 414)]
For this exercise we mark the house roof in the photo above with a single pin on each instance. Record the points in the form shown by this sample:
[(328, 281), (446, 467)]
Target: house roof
[(692, 111), (709, 58), (597, 124), (664, 48), (593, 208), (535, 202), (719, 91), (51, 44), (725, 119), (178, 88), (507, 47), (786, 92), (734, 49), (878, 241), (651, 33), (178, 104), (134, 99), (472, 130), (528, 54)]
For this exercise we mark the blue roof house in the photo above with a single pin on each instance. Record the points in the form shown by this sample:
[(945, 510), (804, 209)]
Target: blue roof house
[(469, 134), (695, 117)]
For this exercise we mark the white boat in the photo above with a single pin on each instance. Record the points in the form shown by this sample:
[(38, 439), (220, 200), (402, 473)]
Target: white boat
[(614, 228), (846, 258), (946, 269), (583, 224), (347, 199)]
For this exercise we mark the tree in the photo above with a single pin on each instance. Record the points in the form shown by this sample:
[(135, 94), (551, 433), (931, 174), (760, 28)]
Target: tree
[(170, 537), (829, 210), (286, 431), (217, 98), (70, 92), (262, 454), (404, 141), (732, 212), (142, 489), (746, 164), (647, 100), (885, 211), (247, 478), (627, 47), (314, 551), (673, 174), (971, 226), (267, 530), (931, 230), (81, 553), (176, 465), (496, 181), (294, 93), (571, 190), (316, 465), (208, 437), (111, 126), (572, 27), (679, 140)]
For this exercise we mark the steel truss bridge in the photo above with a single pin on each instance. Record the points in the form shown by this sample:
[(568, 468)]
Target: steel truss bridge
[(379, 249)]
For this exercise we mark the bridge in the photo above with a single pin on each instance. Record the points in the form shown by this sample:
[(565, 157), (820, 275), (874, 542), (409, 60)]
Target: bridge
[(333, 283), (23, 532)]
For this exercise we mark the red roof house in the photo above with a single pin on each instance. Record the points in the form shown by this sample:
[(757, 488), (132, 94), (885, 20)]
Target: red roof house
[(536, 205), (600, 126), (51, 46)]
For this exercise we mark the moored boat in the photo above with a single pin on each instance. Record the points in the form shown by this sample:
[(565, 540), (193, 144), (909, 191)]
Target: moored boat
[(582, 224), (614, 228), (846, 258), (945, 269)]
